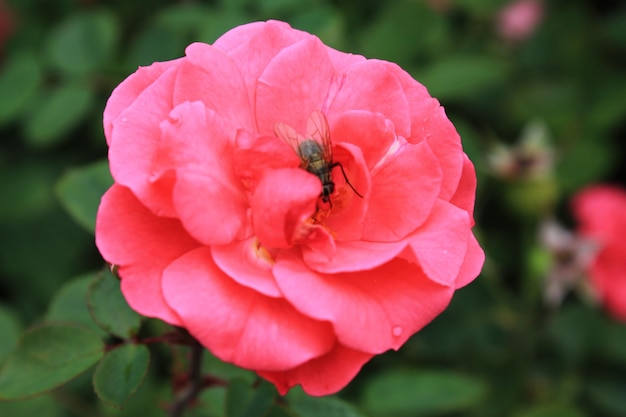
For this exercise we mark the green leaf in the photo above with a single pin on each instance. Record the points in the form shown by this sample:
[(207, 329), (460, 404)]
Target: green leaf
[(244, 401), (386, 38), (59, 111), (20, 78), (307, 406), (109, 308), (80, 190), (70, 304), (462, 77), (551, 410), (83, 43), (48, 356), (42, 406), (9, 329), (423, 393), (26, 190), (608, 394), (120, 373)]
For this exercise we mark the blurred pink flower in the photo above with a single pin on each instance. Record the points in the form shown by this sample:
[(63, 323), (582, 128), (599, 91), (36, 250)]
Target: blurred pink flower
[(601, 214), (518, 19), (216, 227)]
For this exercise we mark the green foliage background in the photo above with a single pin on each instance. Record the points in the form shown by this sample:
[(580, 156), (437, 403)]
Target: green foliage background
[(497, 351)]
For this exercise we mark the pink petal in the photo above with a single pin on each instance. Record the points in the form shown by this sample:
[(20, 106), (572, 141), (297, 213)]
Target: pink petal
[(208, 198), (342, 61), (283, 200), (321, 376), (370, 132), (254, 154), (254, 45), (403, 193), (134, 143), (237, 324), (249, 264), (291, 87), (349, 210), (142, 245), (371, 86), (446, 144), (440, 244), (210, 76), (371, 310), (429, 122), (353, 256), (125, 93), (472, 264), (465, 194), (601, 212), (608, 277)]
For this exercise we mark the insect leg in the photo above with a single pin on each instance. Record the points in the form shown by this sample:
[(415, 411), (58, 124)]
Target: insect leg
[(338, 164)]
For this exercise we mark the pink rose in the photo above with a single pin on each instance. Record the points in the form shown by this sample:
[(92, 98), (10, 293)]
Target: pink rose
[(215, 226), (518, 19), (601, 214)]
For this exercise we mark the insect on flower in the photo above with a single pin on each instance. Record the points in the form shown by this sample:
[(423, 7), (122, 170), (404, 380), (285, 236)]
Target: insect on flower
[(315, 151)]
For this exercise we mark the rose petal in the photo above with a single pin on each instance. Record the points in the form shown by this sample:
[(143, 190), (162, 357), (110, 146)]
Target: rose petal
[(605, 199), (403, 193), (465, 194), (440, 244), (283, 200), (372, 311), (371, 86), (349, 210), (237, 324), (289, 96), (607, 273), (254, 45), (208, 198), (321, 376), (472, 264), (370, 132), (254, 154), (125, 93), (142, 245), (249, 264), (134, 143), (353, 256), (210, 76), (429, 122)]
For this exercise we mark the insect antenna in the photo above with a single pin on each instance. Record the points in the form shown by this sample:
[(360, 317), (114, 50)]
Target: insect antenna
[(338, 164)]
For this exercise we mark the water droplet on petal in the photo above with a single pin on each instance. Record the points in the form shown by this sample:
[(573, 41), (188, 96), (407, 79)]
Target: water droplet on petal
[(396, 331)]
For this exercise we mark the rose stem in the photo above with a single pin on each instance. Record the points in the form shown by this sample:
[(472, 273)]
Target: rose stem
[(195, 384)]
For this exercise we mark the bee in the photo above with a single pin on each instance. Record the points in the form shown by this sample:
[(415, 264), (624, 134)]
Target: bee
[(315, 152)]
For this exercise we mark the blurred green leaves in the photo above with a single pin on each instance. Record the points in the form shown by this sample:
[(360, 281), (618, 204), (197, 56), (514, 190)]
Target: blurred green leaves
[(19, 79), (46, 357), (83, 43), (120, 373), (109, 308), (512, 356), (80, 190), (422, 392)]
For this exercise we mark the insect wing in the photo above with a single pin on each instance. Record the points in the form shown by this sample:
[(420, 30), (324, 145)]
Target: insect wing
[(290, 136), (318, 130)]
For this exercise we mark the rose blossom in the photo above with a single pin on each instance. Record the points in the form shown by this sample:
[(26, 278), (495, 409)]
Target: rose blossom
[(601, 214), (215, 227)]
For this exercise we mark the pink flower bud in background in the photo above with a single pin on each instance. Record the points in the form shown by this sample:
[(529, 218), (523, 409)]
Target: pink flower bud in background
[(518, 19)]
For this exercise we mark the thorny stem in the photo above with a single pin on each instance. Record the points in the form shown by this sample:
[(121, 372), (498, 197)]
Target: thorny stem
[(195, 382)]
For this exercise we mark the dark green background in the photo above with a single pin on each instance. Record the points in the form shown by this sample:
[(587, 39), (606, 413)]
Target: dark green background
[(497, 351)]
